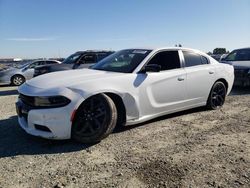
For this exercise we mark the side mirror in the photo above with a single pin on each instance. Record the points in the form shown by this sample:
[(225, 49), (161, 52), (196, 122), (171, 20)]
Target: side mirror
[(152, 68)]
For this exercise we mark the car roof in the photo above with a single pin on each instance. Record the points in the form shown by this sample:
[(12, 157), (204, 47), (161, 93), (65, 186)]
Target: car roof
[(170, 48), (94, 51), (246, 48)]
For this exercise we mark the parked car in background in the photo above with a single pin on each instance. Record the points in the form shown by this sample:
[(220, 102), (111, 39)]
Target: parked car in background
[(240, 59), (216, 56), (128, 87), (81, 59), (19, 74)]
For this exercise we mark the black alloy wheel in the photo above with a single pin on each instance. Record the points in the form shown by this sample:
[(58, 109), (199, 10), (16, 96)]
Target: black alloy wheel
[(95, 119), (217, 96)]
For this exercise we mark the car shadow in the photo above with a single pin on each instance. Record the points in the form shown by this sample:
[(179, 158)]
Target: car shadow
[(8, 92), (168, 116), (5, 85), (14, 141), (240, 90)]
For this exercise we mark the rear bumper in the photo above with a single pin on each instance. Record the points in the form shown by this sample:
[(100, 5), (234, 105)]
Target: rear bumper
[(5, 80)]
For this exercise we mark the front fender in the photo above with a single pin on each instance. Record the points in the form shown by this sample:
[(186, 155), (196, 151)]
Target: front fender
[(130, 102)]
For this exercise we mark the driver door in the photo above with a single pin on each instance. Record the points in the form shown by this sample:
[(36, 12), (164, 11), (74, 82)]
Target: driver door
[(29, 71), (164, 91)]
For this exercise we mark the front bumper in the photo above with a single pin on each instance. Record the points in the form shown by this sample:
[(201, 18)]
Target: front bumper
[(50, 123), (4, 79)]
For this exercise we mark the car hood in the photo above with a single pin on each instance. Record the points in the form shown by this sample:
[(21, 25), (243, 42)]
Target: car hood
[(7, 70), (55, 67), (70, 78)]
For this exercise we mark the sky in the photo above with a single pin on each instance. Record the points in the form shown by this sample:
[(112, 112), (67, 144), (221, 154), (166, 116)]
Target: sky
[(58, 28)]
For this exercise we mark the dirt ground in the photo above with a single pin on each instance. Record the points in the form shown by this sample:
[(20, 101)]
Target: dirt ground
[(195, 148)]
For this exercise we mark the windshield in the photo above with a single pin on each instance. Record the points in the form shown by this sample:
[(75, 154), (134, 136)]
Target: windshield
[(22, 65), (239, 55), (124, 61), (72, 59)]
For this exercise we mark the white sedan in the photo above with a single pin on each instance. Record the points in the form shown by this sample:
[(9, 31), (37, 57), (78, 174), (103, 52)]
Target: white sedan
[(128, 87)]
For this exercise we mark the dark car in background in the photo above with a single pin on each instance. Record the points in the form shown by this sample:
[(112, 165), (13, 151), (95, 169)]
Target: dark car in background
[(78, 60), (240, 59)]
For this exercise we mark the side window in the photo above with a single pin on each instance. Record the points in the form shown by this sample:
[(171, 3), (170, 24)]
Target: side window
[(41, 62), (101, 56), (193, 59), (87, 59), (33, 65), (167, 60), (49, 62), (243, 55), (204, 60), (231, 56)]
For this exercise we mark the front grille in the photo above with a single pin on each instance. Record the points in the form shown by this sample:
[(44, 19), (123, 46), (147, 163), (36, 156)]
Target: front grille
[(30, 101)]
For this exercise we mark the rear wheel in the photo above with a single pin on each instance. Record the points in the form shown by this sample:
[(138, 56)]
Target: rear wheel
[(217, 96), (17, 80), (95, 119)]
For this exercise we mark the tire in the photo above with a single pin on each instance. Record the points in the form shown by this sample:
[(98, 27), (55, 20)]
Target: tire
[(95, 119), (217, 96), (17, 80)]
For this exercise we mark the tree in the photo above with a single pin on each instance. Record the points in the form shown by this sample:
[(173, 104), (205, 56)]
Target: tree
[(219, 51), (178, 45)]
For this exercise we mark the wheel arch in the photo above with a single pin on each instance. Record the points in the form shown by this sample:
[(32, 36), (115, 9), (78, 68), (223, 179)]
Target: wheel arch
[(223, 80), (17, 75), (117, 99), (11, 78), (121, 110)]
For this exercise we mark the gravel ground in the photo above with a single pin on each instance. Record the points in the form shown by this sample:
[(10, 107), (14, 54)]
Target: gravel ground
[(195, 148)]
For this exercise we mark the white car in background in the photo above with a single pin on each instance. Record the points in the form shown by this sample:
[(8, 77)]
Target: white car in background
[(19, 74), (128, 87)]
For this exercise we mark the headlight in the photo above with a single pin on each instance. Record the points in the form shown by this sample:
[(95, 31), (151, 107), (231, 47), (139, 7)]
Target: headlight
[(53, 101)]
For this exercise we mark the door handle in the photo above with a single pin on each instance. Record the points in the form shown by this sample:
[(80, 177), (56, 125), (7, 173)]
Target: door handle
[(211, 72), (180, 79)]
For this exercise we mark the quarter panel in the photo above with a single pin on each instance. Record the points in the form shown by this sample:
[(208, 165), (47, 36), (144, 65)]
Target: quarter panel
[(200, 80)]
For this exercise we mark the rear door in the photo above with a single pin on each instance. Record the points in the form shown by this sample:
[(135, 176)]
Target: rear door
[(200, 77)]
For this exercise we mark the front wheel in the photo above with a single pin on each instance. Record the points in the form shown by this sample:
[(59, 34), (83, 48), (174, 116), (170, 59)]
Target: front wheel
[(17, 80), (95, 119), (217, 96)]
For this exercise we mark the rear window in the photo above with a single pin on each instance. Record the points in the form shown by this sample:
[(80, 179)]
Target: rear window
[(194, 59)]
